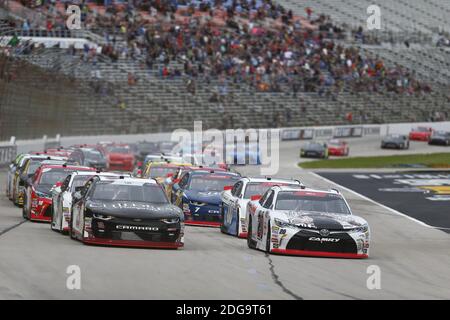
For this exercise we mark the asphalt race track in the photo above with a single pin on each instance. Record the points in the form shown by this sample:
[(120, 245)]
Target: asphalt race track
[(424, 196), (413, 259)]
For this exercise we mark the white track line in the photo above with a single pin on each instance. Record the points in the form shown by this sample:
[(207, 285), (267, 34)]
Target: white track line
[(377, 203)]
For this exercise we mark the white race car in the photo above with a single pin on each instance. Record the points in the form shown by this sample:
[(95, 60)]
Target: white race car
[(306, 222), (62, 196), (234, 202)]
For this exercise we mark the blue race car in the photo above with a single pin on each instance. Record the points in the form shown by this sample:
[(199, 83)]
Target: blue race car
[(197, 193)]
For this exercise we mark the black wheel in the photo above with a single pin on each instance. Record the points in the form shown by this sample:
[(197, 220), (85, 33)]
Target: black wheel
[(222, 225), (52, 224), (268, 238), (237, 223), (24, 214), (250, 243), (24, 210), (72, 232)]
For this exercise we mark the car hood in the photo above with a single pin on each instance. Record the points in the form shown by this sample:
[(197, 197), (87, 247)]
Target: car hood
[(211, 197), (324, 220), (44, 188), (313, 148), (134, 209), (120, 156)]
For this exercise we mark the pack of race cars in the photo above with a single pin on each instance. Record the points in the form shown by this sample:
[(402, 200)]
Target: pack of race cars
[(145, 200)]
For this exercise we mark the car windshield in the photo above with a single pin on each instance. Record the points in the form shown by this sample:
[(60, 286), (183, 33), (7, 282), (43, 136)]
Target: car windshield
[(94, 155), (158, 172), (34, 165), (335, 143), (421, 129), (311, 202), (53, 176), (150, 193), (118, 149), (167, 146), (211, 182), (259, 188), (442, 133), (79, 180)]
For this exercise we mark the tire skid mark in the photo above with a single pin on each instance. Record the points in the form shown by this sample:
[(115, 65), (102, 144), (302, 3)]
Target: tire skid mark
[(2, 232), (277, 281)]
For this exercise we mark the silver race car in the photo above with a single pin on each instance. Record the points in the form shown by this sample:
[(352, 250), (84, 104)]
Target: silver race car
[(395, 141), (234, 202)]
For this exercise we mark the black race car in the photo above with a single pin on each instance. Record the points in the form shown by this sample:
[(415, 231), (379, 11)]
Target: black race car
[(314, 150), (126, 212), (441, 138), (395, 141)]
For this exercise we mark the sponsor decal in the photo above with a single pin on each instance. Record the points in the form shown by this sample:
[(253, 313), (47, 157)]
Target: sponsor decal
[(322, 240), (136, 228)]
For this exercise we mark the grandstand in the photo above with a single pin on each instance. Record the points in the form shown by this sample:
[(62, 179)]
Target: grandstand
[(130, 89)]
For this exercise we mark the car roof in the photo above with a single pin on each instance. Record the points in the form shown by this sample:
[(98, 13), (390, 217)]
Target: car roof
[(130, 181), (271, 180), (100, 174), (63, 166), (312, 190), (170, 164), (214, 172)]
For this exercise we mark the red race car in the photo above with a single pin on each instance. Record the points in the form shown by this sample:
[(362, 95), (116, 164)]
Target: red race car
[(420, 134), (120, 157), (338, 148), (38, 198)]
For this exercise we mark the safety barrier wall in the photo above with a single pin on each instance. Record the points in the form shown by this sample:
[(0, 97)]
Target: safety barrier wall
[(319, 133)]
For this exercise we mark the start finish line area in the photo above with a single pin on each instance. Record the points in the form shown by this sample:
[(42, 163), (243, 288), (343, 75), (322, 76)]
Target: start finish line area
[(424, 196)]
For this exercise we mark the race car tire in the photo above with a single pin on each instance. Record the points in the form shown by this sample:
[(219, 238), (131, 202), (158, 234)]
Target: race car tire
[(24, 214), (250, 242), (222, 225), (52, 221), (268, 238), (72, 232), (24, 211)]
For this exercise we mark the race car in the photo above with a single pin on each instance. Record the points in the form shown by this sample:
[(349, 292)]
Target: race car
[(395, 141), (58, 152), (128, 212), (243, 154), (26, 171), (38, 198), (234, 202), (420, 134), (12, 168), (198, 194), (314, 150), (120, 157), (441, 138), (90, 157), (62, 196), (161, 170), (338, 148), (306, 222), (173, 178), (166, 147), (145, 148)]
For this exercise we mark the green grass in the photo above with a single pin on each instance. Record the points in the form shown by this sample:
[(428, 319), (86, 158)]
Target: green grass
[(435, 160)]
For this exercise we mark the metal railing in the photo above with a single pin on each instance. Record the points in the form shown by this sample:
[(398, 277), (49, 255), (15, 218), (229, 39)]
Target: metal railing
[(7, 154)]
